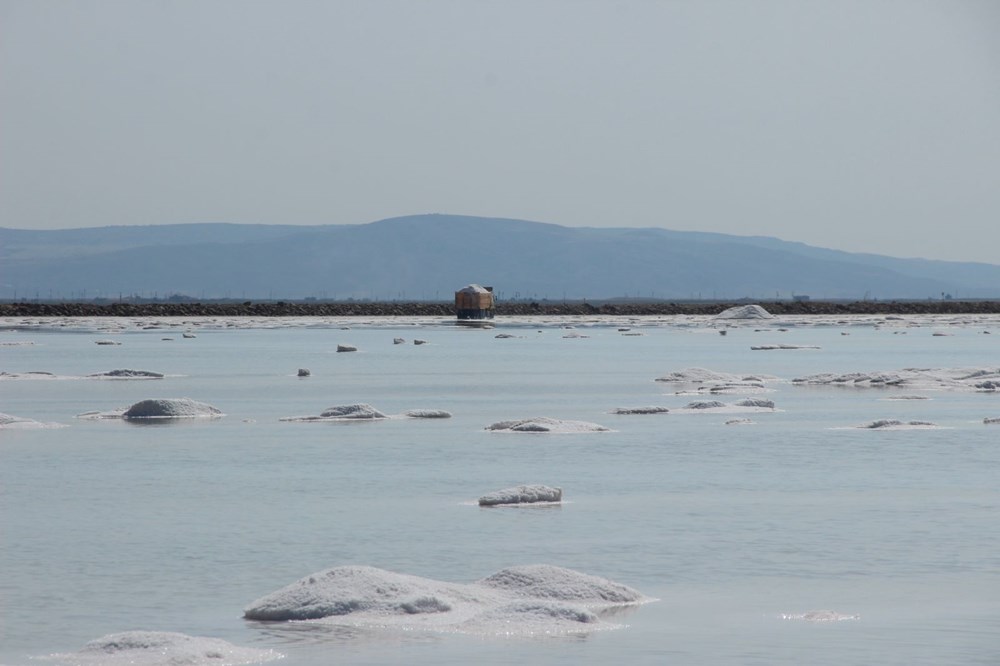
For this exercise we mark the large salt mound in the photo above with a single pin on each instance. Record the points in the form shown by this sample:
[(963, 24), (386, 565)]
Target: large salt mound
[(545, 424), (354, 589), (161, 648), (527, 494), (745, 312), (519, 600), (127, 374), (355, 412), (170, 408)]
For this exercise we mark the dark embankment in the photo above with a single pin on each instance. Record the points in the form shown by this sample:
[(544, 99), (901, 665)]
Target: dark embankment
[(428, 309)]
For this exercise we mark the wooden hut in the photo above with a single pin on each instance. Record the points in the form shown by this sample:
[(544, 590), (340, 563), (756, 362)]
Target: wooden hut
[(474, 302)]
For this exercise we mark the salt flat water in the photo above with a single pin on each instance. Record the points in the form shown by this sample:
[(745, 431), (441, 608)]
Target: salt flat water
[(110, 525)]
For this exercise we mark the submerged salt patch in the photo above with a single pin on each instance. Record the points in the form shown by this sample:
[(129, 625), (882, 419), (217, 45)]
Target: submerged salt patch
[(820, 616), (162, 648), (651, 409), (546, 424), (526, 494), (9, 422)]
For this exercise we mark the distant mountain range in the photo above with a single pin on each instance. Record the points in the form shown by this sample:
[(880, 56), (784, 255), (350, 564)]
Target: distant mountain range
[(428, 257)]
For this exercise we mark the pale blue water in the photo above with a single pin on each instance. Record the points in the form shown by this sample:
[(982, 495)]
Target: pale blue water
[(107, 526)]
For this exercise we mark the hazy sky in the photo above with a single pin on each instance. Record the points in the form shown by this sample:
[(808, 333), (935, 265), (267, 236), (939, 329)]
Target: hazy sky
[(865, 126)]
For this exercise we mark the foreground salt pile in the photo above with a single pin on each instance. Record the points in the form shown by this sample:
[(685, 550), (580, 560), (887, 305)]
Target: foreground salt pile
[(745, 312), (527, 599), (526, 494), (546, 424), (975, 379), (160, 408), (162, 648), (359, 411)]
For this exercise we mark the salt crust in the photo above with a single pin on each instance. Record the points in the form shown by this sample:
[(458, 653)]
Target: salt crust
[(546, 424), (159, 408), (774, 347), (820, 616), (965, 379), (427, 414), (652, 409), (892, 424), (362, 411), (705, 376), (524, 600), (526, 494), (110, 374), (715, 406), (745, 312), (162, 648)]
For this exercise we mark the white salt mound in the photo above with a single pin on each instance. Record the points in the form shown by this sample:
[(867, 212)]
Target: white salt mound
[(161, 648), (705, 404), (427, 414), (170, 408), (756, 402), (355, 412), (890, 424), (126, 373), (519, 600), (545, 424), (527, 494), (745, 312)]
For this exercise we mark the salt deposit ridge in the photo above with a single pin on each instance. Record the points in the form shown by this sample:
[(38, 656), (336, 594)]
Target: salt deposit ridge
[(159, 324), (524, 600)]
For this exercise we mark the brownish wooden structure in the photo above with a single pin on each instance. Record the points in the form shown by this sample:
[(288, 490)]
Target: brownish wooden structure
[(474, 302)]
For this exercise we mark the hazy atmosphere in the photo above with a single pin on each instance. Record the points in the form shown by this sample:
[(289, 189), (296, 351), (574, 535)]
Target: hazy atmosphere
[(861, 126)]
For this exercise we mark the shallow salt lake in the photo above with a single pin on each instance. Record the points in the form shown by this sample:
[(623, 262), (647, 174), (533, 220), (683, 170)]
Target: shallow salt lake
[(111, 525)]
